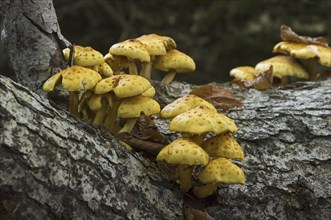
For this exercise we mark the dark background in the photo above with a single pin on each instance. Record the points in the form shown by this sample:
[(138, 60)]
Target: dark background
[(217, 34)]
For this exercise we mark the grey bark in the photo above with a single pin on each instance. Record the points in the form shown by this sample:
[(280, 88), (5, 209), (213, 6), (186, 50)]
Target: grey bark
[(33, 40), (55, 166)]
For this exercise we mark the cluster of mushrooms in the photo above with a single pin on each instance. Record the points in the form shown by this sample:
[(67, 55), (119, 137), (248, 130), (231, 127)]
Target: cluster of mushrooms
[(298, 58), (100, 91), (196, 119)]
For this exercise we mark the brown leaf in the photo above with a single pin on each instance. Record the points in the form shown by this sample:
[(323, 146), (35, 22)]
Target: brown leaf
[(262, 81), (219, 96), (287, 34), (195, 214), (148, 130)]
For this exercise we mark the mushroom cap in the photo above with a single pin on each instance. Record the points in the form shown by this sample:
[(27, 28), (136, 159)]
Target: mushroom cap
[(84, 56), (132, 48), (149, 92), (184, 104), (77, 78), (183, 151), (243, 72), (103, 68), (174, 60), (305, 51), (156, 44), (283, 66), (200, 120), (223, 145), (133, 106), (123, 85), (116, 62), (222, 170)]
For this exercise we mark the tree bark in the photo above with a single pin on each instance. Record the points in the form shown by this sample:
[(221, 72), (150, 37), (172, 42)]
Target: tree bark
[(53, 165), (33, 40)]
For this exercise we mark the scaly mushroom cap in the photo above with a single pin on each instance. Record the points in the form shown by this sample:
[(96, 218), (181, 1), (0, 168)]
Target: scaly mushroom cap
[(84, 56), (75, 78), (133, 106), (149, 92), (132, 48), (223, 145), (222, 170), (123, 85), (243, 72), (116, 62), (174, 60), (200, 120), (305, 51), (103, 68), (156, 44), (183, 151), (184, 104), (282, 66)]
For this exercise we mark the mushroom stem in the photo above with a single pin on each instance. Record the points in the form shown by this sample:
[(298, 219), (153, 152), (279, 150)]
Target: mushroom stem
[(185, 176), (205, 190), (73, 103), (132, 67), (310, 65), (285, 80), (101, 113), (128, 126), (169, 77), (110, 121), (146, 70)]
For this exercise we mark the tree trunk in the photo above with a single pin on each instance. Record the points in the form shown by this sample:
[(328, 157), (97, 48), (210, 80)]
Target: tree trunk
[(33, 40), (54, 166)]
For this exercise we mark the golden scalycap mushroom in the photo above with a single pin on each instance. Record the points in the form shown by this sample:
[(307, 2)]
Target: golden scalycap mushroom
[(123, 85), (84, 56), (149, 92), (283, 66), (200, 120), (222, 170), (305, 51), (103, 68), (116, 62), (223, 145), (132, 48), (156, 44), (75, 78), (184, 104), (183, 151), (133, 106), (174, 60), (243, 72)]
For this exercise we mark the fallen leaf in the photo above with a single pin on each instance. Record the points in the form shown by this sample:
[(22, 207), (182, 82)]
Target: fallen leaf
[(262, 81), (219, 96), (195, 214), (287, 34)]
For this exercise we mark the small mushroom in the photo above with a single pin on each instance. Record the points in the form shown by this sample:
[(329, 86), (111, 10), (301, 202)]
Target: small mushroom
[(131, 108), (84, 56), (223, 145), (173, 62), (196, 122), (283, 68), (116, 63), (156, 45), (133, 50), (184, 104), (186, 155), (219, 170), (74, 79), (243, 72)]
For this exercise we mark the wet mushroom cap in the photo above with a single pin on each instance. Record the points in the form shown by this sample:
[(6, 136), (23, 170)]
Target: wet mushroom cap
[(222, 170), (174, 60), (243, 72), (184, 104), (84, 56), (183, 151), (200, 120), (283, 66), (223, 145), (305, 51), (132, 48), (133, 106)]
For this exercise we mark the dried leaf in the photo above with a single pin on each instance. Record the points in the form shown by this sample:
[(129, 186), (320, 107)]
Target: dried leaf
[(195, 214), (147, 129), (262, 81), (287, 34), (219, 96)]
